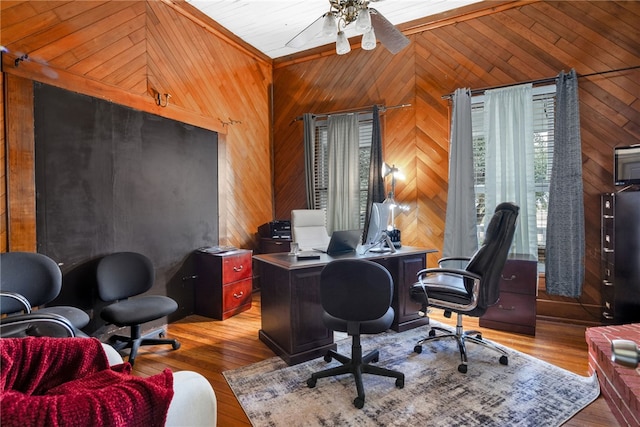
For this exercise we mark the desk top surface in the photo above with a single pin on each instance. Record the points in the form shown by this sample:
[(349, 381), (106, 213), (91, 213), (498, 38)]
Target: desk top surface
[(291, 262)]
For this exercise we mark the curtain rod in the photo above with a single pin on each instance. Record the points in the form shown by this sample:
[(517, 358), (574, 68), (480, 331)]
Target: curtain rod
[(356, 110), (541, 81)]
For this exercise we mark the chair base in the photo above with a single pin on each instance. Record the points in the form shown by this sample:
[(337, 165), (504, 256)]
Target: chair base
[(461, 338), (120, 342), (356, 365)]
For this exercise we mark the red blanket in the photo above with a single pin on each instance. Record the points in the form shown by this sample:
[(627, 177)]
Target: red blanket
[(68, 382)]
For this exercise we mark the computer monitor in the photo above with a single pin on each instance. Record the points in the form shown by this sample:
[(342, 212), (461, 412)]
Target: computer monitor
[(378, 221)]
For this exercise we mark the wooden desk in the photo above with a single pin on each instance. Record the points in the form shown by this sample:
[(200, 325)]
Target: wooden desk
[(291, 310)]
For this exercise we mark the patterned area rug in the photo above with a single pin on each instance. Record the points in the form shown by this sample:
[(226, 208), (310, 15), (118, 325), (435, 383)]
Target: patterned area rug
[(527, 392)]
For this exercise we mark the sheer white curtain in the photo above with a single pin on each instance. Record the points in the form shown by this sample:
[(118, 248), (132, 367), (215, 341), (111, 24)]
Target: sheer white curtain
[(460, 231), (343, 201), (509, 175)]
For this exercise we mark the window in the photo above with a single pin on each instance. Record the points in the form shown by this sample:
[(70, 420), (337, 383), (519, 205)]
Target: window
[(543, 125), (321, 172)]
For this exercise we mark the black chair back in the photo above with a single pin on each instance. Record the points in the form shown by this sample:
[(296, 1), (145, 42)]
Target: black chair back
[(124, 274), (34, 276), (355, 290), (489, 260)]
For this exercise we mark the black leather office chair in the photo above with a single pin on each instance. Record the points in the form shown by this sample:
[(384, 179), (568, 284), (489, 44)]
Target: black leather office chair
[(356, 297), (38, 280), (472, 290), (123, 275), (36, 324)]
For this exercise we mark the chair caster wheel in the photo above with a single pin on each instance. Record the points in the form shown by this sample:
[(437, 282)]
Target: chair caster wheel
[(504, 360), (432, 333), (311, 382), (462, 368), (400, 382), (358, 402), (162, 334), (375, 360), (327, 358), (175, 345), (417, 349)]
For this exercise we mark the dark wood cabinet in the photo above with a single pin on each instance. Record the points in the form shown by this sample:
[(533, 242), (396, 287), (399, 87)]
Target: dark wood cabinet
[(515, 311), (620, 257), (223, 283)]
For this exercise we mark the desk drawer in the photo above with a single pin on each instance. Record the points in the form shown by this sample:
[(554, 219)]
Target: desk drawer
[(236, 297), (513, 308), (519, 277), (236, 267)]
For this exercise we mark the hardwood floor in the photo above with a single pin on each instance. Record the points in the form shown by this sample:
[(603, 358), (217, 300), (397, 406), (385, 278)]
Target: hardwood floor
[(212, 346)]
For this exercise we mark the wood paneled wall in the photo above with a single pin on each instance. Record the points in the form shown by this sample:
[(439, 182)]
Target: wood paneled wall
[(527, 41), (127, 52)]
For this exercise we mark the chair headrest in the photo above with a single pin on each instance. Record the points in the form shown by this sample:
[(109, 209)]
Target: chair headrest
[(308, 218)]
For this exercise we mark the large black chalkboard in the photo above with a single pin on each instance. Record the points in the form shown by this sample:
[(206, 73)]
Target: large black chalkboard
[(109, 179)]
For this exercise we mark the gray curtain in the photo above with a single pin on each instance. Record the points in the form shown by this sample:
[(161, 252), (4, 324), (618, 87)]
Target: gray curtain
[(376, 191), (343, 192), (460, 235), (309, 157), (565, 253)]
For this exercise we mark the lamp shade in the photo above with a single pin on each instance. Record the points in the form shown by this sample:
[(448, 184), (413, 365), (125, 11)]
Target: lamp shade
[(363, 21), (369, 40), (342, 44), (329, 26)]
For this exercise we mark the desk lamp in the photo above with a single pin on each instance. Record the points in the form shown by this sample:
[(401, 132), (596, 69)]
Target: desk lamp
[(392, 231)]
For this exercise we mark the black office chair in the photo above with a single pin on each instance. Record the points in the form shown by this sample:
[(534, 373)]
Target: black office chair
[(356, 297), (123, 275), (38, 280), (472, 290), (36, 324)]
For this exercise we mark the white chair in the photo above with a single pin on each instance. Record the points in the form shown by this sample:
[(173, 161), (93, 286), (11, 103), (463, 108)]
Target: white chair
[(309, 228), (194, 401)]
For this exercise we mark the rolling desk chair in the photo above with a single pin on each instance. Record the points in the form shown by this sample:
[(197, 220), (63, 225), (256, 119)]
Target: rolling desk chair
[(309, 228), (356, 297), (123, 275), (472, 290)]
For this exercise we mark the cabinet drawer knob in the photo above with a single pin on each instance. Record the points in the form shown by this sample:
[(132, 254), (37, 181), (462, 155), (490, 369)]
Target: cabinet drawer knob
[(238, 295), (501, 307), (513, 277), (236, 269)]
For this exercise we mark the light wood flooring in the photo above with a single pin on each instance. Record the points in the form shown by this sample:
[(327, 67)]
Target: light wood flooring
[(212, 346)]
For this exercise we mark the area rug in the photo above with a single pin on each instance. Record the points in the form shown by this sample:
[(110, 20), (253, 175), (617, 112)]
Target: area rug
[(527, 392)]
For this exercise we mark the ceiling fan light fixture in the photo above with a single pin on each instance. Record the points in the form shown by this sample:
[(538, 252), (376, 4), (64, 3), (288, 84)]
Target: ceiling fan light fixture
[(329, 26), (363, 22), (342, 44), (369, 40)]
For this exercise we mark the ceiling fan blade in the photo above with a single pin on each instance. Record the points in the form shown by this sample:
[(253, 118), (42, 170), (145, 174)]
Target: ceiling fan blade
[(308, 34), (389, 36)]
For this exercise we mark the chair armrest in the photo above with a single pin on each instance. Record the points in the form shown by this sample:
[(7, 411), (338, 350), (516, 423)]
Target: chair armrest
[(36, 325), (194, 402), (18, 297), (449, 271), (463, 274)]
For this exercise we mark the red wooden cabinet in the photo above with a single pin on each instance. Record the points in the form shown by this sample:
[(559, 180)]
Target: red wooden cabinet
[(223, 283)]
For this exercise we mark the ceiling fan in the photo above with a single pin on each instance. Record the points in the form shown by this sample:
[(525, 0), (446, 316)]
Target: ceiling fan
[(368, 21)]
